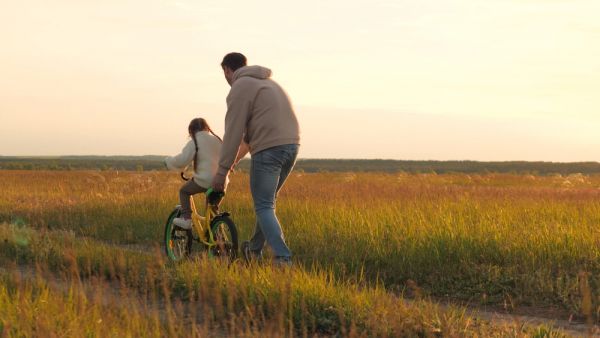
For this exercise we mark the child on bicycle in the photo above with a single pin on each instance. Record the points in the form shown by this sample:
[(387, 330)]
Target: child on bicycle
[(203, 152)]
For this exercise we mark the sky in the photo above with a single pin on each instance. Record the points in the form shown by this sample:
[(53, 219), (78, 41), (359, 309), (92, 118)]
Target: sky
[(489, 80)]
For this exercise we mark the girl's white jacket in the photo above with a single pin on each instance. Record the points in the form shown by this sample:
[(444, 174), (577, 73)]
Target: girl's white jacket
[(207, 158)]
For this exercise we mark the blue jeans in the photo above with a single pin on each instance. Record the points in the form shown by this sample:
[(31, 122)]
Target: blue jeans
[(268, 172)]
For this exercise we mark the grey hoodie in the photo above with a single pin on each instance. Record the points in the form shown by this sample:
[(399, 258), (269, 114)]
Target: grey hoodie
[(259, 112)]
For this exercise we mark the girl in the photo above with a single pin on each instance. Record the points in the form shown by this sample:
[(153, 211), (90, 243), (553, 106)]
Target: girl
[(203, 151)]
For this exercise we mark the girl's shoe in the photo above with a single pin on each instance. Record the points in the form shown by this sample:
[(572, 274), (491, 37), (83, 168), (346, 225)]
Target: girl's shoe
[(184, 223)]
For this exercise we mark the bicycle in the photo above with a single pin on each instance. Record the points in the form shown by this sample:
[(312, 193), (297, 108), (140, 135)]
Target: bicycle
[(220, 241)]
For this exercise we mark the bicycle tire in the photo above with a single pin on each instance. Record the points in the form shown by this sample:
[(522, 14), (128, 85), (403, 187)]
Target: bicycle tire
[(226, 236), (177, 241)]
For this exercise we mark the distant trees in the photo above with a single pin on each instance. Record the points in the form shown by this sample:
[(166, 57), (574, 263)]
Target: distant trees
[(148, 163), (442, 167), (82, 163)]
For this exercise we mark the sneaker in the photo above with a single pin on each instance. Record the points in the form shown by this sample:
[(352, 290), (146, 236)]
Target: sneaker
[(184, 223)]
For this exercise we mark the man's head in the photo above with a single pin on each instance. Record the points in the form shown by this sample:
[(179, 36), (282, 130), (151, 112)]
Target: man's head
[(231, 63)]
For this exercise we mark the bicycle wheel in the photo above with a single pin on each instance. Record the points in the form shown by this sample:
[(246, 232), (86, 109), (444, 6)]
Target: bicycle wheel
[(178, 242), (225, 236)]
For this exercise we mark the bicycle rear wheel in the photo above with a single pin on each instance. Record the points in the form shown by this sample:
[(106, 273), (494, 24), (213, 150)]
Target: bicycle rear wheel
[(225, 236), (177, 241)]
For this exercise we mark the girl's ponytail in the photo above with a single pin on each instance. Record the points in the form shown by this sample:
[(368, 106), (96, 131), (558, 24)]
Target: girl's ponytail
[(196, 151), (212, 132), (196, 125)]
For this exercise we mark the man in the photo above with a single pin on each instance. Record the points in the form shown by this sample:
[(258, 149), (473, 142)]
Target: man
[(260, 120)]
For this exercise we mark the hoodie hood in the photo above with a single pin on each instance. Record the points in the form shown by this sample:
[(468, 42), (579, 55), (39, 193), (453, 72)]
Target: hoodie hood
[(257, 72)]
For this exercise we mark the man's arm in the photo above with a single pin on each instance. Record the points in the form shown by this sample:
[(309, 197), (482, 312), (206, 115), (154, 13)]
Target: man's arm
[(242, 151), (238, 108)]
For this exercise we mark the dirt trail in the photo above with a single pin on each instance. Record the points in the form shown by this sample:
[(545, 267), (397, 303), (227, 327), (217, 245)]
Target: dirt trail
[(572, 328)]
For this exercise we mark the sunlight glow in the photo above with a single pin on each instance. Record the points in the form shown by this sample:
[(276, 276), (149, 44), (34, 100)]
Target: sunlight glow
[(464, 79)]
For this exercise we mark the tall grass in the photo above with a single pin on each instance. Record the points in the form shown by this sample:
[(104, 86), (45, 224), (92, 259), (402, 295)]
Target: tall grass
[(496, 239), (88, 288)]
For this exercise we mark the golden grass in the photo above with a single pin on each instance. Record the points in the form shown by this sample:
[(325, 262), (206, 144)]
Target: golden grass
[(494, 239), (62, 285)]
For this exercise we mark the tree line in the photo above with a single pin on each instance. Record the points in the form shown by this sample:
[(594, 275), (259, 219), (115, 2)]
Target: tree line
[(153, 162)]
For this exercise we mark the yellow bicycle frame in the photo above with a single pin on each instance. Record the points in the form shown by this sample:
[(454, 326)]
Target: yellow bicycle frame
[(200, 223)]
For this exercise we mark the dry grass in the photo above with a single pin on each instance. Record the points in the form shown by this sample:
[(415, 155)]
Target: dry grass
[(495, 239), (62, 285)]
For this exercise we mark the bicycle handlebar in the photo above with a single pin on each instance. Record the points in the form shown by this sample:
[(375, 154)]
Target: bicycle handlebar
[(214, 197)]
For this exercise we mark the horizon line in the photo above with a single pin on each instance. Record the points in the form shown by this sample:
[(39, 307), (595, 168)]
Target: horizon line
[(308, 159)]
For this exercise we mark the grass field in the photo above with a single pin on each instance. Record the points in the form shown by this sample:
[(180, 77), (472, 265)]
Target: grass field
[(363, 242)]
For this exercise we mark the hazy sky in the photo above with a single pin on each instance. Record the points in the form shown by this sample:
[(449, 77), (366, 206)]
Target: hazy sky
[(420, 79)]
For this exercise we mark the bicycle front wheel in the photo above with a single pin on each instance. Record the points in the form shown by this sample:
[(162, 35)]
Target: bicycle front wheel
[(225, 236), (177, 241)]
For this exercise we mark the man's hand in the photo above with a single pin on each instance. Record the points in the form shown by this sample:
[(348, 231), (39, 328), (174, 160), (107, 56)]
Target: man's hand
[(242, 151), (218, 183)]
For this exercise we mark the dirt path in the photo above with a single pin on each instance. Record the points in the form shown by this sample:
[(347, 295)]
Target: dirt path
[(572, 328)]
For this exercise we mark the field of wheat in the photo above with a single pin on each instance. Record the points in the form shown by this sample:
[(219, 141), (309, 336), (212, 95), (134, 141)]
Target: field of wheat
[(374, 254)]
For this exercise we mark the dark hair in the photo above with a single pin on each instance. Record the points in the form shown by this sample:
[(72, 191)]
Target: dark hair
[(196, 125), (234, 61)]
